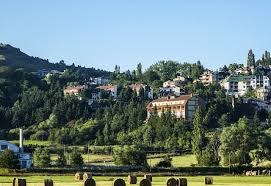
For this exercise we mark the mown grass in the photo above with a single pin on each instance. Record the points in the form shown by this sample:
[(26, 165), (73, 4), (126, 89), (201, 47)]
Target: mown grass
[(157, 181), (33, 142)]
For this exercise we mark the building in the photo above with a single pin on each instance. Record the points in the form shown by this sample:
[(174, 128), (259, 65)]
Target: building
[(100, 81), (74, 91), (112, 89), (25, 159), (183, 107), (171, 91), (262, 93), (209, 77), (258, 104), (237, 85), (147, 89)]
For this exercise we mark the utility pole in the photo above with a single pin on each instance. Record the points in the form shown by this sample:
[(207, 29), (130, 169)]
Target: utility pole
[(88, 153)]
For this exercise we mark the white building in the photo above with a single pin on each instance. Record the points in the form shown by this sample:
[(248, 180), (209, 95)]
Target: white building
[(147, 89), (100, 81), (237, 85), (112, 89), (24, 158)]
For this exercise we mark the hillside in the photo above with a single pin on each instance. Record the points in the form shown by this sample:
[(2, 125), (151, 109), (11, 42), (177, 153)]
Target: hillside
[(15, 58)]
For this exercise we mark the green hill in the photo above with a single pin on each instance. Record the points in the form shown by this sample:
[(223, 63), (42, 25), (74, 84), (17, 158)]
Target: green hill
[(15, 58)]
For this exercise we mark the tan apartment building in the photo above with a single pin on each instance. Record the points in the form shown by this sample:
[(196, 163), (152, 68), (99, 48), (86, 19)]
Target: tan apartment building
[(183, 107)]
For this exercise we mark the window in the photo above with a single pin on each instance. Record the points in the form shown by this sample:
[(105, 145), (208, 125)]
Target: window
[(3, 147)]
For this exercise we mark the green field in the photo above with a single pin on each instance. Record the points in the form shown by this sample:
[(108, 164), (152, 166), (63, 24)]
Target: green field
[(159, 181)]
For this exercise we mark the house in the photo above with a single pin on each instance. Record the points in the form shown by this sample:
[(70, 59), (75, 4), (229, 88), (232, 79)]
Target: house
[(74, 90), (100, 81), (112, 89), (183, 107), (245, 70), (209, 77), (25, 159), (171, 91), (258, 104), (147, 89), (237, 85)]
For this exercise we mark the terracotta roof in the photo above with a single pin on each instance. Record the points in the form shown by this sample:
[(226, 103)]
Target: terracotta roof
[(163, 99), (107, 87), (136, 86)]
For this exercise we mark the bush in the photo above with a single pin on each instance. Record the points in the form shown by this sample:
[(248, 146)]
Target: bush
[(61, 160), (76, 158), (165, 162), (130, 155), (41, 157), (9, 160)]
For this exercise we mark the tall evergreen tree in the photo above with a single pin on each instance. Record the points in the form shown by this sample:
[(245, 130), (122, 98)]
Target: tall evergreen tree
[(198, 134), (250, 59)]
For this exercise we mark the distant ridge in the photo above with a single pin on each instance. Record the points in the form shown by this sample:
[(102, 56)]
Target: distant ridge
[(15, 58)]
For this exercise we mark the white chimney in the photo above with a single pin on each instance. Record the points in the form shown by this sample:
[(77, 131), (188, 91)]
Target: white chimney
[(21, 140)]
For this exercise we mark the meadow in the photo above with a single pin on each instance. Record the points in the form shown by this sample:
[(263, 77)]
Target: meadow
[(157, 181)]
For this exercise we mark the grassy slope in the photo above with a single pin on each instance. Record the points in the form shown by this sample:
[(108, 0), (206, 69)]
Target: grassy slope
[(157, 181)]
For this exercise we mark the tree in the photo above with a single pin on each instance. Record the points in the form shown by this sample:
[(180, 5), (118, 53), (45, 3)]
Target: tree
[(237, 141), (250, 59), (9, 160), (224, 120), (198, 134), (139, 71), (61, 159), (41, 157), (130, 155), (76, 158), (210, 156)]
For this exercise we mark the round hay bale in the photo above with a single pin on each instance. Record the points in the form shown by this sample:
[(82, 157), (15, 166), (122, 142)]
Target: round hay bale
[(87, 176), (171, 182), (208, 180), (148, 176), (132, 179), (48, 182), (19, 182), (182, 182), (89, 182), (119, 182), (145, 182), (78, 176)]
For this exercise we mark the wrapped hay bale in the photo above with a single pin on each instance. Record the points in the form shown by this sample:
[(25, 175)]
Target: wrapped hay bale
[(19, 182), (171, 182), (132, 179), (78, 176), (89, 182), (119, 182), (182, 182), (148, 177), (48, 182), (208, 180), (87, 176), (145, 182)]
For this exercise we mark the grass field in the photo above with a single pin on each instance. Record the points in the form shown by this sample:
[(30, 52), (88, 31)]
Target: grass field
[(157, 181)]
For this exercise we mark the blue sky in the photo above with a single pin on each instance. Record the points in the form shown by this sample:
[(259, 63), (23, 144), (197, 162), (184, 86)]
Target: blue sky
[(104, 33)]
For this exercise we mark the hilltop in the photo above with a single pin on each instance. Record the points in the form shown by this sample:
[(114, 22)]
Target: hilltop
[(13, 57)]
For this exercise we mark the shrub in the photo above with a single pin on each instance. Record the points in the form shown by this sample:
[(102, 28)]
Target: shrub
[(76, 158), (130, 155), (41, 157), (9, 160), (165, 162)]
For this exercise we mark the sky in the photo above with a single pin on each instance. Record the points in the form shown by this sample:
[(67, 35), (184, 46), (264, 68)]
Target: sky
[(103, 33)]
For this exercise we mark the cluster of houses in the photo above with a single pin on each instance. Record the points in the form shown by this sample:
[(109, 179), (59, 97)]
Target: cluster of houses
[(173, 96)]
